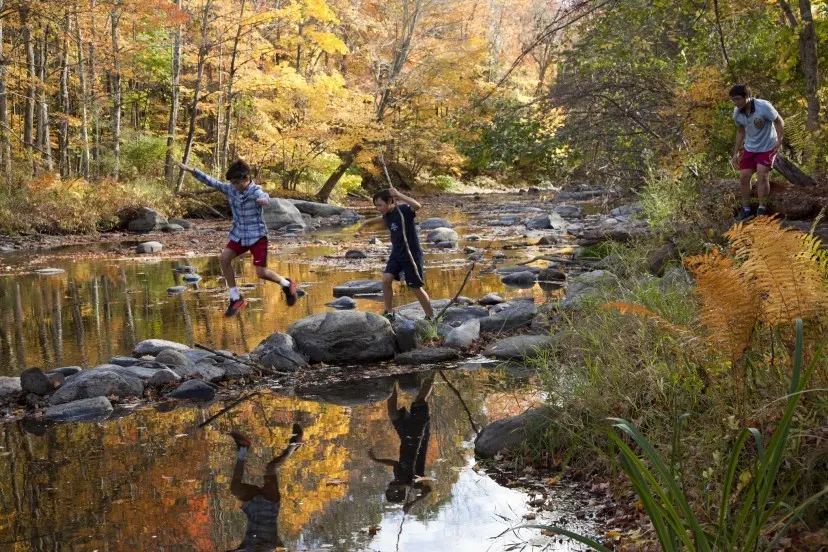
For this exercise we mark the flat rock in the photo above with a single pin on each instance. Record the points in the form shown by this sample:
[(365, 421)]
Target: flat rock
[(196, 390), (551, 274), (525, 277), (355, 254), (344, 337), (463, 336), (509, 433), (65, 371), (315, 209), (571, 211), (149, 247), (512, 315), (446, 244), (82, 410), (342, 303), (163, 377), (171, 357), (207, 372), (435, 222), (442, 235), (519, 346), (154, 346), (545, 222), (279, 352), (49, 271), (196, 355), (358, 287), (10, 389), (429, 355), (191, 278), (33, 380), (170, 228), (98, 382), (454, 316), (185, 224)]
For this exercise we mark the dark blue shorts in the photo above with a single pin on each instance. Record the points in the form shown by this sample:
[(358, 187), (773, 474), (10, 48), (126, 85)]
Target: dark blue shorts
[(402, 268)]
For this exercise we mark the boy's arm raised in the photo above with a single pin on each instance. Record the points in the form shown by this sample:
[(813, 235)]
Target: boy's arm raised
[(206, 179), (413, 203)]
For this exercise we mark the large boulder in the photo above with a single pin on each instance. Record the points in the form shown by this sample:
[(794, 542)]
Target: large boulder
[(455, 316), (163, 377), (279, 213), (407, 333), (100, 382), (149, 247), (428, 355), (522, 278), (344, 337), (520, 346), (507, 434), (33, 380), (315, 209), (196, 390), (172, 357), (154, 346), (279, 352), (509, 316), (442, 235), (433, 223), (545, 222), (146, 220), (358, 287), (82, 410), (10, 389), (462, 337)]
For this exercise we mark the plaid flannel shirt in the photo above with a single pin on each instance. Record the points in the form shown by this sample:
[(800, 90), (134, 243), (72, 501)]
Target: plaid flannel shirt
[(248, 216)]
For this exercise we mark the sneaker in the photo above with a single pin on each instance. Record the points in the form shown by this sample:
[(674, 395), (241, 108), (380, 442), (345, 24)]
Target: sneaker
[(745, 214), (298, 436), (241, 440), (762, 211), (235, 306), (290, 292)]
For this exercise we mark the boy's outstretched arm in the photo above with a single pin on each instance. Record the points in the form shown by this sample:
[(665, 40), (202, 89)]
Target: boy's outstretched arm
[(399, 196), (223, 187)]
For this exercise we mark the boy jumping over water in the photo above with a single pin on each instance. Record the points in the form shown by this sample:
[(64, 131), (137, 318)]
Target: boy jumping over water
[(248, 233), (399, 218)]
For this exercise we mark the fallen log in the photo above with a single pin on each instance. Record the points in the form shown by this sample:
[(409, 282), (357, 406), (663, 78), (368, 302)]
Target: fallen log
[(794, 174)]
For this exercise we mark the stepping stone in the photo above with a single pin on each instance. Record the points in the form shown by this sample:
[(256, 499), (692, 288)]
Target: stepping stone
[(49, 271), (149, 247), (358, 287)]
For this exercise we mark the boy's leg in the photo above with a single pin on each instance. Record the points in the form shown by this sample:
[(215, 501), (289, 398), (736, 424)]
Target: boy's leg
[(425, 301), (414, 276), (745, 176), (226, 262), (762, 183), (242, 491), (271, 486), (259, 252), (425, 389), (388, 292)]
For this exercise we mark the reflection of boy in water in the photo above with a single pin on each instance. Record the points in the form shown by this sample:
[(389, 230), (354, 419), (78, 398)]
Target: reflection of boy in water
[(413, 429), (261, 504)]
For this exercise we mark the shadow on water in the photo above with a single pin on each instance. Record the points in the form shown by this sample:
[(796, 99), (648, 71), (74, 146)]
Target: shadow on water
[(387, 470)]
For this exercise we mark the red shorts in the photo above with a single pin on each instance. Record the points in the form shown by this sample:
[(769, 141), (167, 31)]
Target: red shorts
[(258, 250), (750, 159)]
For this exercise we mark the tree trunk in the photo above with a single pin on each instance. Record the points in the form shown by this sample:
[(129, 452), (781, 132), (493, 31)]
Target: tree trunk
[(412, 11), (171, 123), (63, 143), (93, 81), (810, 61), (28, 114), (347, 160), (84, 97), (116, 93), (228, 99), (794, 174), (203, 50), (5, 142), (44, 138)]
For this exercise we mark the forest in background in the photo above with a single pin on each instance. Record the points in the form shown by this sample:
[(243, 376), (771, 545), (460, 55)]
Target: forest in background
[(99, 98)]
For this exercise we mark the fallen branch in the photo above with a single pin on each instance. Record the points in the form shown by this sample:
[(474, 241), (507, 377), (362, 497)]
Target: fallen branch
[(228, 408), (456, 295), (462, 402), (554, 259), (208, 207), (256, 365)]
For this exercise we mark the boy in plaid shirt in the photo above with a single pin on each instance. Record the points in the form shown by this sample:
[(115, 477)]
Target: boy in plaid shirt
[(248, 233)]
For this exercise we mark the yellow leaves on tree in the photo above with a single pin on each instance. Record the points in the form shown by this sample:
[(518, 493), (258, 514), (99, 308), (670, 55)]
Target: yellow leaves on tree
[(776, 276)]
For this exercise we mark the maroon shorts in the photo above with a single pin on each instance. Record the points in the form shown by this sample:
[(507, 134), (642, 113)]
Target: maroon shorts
[(750, 159), (258, 250)]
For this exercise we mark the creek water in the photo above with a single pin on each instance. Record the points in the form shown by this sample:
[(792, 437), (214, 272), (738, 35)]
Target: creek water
[(151, 479)]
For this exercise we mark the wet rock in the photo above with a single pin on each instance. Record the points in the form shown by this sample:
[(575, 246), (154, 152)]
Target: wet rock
[(149, 247), (99, 382), (442, 235), (627, 210), (237, 370), (475, 257), (455, 316), (428, 355), (510, 316), (83, 410), (572, 211), (281, 213), (503, 270), (196, 355), (146, 220), (519, 346), (433, 223), (185, 269), (10, 389), (316, 210), (65, 371), (358, 287), (163, 377), (505, 221), (355, 254), (344, 336), (491, 299), (551, 274), (143, 372), (123, 361), (470, 249), (545, 222), (508, 434), (171, 228), (33, 380), (351, 393), (658, 259), (171, 357), (185, 224), (49, 271), (473, 237), (464, 336), (207, 372), (548, 240), (583, 285), (154, 346), (407, 333), (342, 303), (176, 290), (279, 352), (446, 244), (519, 278), (196, 390)]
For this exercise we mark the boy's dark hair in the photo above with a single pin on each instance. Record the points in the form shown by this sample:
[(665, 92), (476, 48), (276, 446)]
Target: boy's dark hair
[(740, 90), (237, 170), (384, 195)]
